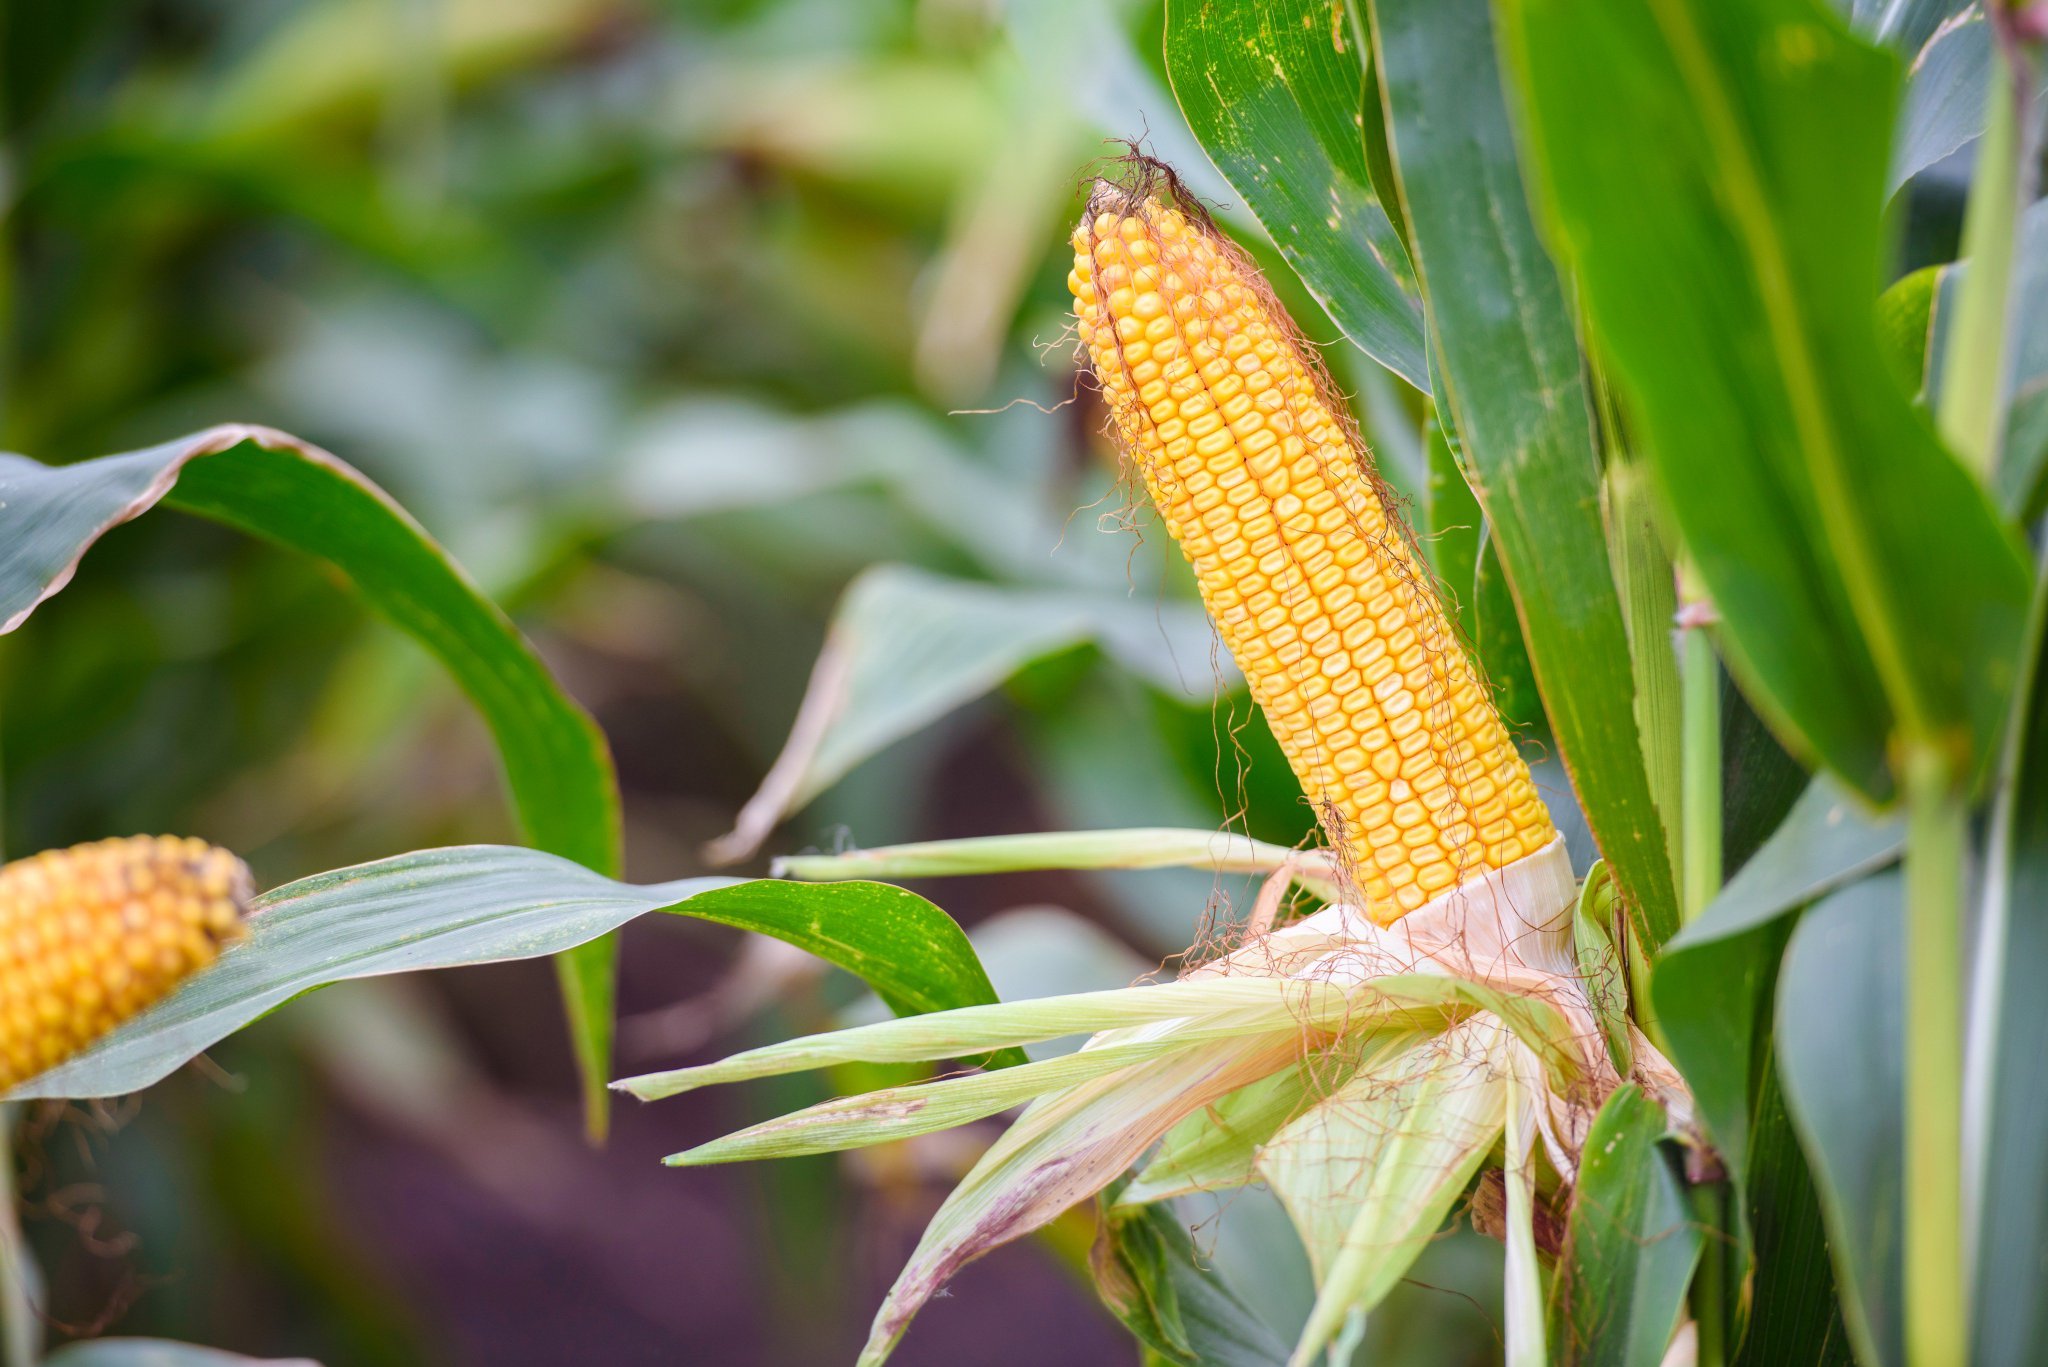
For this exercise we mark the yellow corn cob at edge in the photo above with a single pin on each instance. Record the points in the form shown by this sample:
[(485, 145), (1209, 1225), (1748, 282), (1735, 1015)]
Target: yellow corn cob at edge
[(92, 935), (1309, 578)]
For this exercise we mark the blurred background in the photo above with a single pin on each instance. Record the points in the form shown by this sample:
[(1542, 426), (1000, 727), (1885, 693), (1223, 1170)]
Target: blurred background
[(669, 319)]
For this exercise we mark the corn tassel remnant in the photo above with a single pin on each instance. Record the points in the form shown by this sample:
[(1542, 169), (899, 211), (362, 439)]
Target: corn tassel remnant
[(93, 935), (1304, 565)]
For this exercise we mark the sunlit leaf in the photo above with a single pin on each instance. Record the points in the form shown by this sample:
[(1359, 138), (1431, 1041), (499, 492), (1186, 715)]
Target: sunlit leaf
[(487, 903), (1276, 94), (274, 486)]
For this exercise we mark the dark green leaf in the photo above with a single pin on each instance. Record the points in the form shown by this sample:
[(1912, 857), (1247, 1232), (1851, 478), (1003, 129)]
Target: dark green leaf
[(1841, 1038), (1710, 984), (1794, 1315), (1149, 1274), (1276, 94), (1519, 404), (1630, 1245), (486, 903), (275, 486), (1759, 781), (1727, 249), (1452, 526)]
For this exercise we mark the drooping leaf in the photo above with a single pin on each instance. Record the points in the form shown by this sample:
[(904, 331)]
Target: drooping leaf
[(1150, 1275), (907, 647), (1948, 75), (1523, 419), (1841, 1033), (1866, 586), (1630, 1245), (274, 486), (1710, 984), (486, 903), (1276, 94)]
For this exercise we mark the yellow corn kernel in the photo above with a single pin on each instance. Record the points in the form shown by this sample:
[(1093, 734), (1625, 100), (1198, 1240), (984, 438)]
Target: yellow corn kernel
[(1301, 558), (92, 935)]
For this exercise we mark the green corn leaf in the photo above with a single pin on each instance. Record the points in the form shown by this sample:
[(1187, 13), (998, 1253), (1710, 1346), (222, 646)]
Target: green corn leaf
[(486, 903), (274, 486), (907, 647), (2006, 1108), (1713, 982), (1151, 1276), (1601, 971), (1276, 93), (1630, 1243), (1836, 535), (1841, 1050), (1511, 375)]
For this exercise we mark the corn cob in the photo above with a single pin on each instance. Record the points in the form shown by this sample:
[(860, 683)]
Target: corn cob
[(92, 935), (1302, 561)]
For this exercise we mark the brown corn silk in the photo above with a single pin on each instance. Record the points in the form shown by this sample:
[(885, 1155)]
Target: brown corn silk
[(1303, 563), (92, 935)]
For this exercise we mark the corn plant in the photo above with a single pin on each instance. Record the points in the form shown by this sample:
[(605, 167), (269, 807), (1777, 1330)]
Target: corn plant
[(1718, 515)]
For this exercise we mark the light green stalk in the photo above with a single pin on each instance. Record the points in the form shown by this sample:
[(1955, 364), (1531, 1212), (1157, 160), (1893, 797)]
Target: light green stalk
[(1937, 830), (1700, 842)]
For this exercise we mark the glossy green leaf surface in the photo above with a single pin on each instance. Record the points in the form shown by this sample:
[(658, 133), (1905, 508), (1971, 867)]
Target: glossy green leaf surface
[(1512, 371), (1276, 94), (1866, 585), (486, 903), (1631, 1243), (1711, 983), (1841, 1047), (557, 766)]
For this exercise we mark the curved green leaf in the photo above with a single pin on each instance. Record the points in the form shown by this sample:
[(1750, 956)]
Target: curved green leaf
[(1630, 1243), (1710, 983), (277, 487), (486, 903), (1523, 418), (1276, 94), (1866, 586), (1841, 1034), (907, 647), (1151, 1276)]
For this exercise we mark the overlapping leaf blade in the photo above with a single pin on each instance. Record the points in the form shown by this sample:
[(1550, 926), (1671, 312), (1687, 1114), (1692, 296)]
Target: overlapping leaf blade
[(557, 765), (1523, 419), (1865, 583)]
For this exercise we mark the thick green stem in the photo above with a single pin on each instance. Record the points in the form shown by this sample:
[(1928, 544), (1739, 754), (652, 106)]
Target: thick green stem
[(1973, 371), (1700, 844), (1937, 830)]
